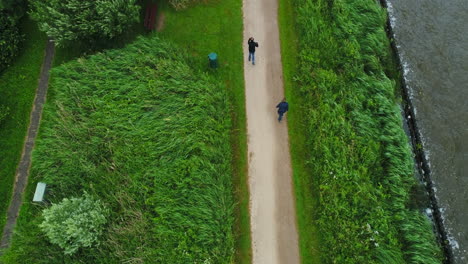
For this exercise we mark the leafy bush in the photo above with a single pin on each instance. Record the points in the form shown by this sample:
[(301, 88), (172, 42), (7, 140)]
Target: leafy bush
[(150, 137), (10, 39), (89, 20), (10, 4), (15, 8), (74, 223), (360, 161)]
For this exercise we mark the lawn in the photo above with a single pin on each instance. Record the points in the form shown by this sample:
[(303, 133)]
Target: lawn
[(305, 187), (18, 85), (353, 166)]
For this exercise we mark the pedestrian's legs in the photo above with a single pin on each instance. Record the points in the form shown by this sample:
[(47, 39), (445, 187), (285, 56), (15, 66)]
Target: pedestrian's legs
[(280, 116), (250, 55), (253, 58)]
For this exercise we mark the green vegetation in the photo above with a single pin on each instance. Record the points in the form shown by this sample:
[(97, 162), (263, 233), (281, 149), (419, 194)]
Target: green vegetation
[(304, 187), (18, 84), (10, 39), (74, 223), (148, 136), (3, 112), (89, 20), (11, 12), (153, 216), (77, 49), (17, 6), (352, 162), (180, 4), (217, 27)]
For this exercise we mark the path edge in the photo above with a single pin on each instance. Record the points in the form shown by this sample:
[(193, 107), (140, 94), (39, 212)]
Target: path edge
[(22, 171)]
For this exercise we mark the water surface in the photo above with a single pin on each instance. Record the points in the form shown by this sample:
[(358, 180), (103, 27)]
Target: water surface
[(432, 38)]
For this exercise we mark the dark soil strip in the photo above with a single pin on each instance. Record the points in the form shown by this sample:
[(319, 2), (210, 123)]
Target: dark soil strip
[(421, 161), (22, 171)]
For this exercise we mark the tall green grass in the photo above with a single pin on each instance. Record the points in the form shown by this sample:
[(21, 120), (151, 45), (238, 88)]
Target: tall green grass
[(216, 26), (357, 161), (150, 137)]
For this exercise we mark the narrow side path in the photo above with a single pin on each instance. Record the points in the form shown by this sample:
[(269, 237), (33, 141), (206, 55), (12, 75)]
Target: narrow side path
[(272, 203), (22, 172)]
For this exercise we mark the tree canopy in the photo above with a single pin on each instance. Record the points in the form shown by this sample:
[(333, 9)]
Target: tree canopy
[(71, 20), (10, 39)]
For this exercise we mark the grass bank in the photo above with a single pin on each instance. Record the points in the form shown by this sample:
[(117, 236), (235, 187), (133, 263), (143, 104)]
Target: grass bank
[(305, 188), (18, 85), (352, 163), (17, 90), (202, 28), (216, 26), (221, 33), (156, 151)]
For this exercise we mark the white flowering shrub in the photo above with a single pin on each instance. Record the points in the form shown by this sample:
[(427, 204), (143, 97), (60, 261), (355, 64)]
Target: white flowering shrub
[(74, 223)]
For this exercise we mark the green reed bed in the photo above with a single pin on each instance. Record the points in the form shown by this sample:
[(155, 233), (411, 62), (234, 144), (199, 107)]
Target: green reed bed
[(150, 137), (357, 163)]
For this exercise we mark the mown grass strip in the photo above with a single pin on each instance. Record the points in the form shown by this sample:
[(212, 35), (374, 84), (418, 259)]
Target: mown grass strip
[(18, 85), (305, 189), (356, 162), (217, 27)]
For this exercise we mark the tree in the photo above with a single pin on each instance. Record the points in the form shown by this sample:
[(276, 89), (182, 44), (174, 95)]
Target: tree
[(10, 39), (71, 20), (11, 4), (13, 9), (74, 223)]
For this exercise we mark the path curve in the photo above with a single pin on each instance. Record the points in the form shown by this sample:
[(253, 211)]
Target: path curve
[(272, 206), (22, 172)]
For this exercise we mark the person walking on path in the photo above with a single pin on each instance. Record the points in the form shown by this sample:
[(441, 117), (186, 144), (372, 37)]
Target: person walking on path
[(283, 107), (252, 45)]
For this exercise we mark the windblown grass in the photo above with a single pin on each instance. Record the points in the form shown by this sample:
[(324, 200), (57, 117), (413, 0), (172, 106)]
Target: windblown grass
[(357, 163), (150, 137), (216, 26)]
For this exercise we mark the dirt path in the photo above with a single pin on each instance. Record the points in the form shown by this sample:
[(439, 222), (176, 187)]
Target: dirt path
[(22, 171), (272, 208)]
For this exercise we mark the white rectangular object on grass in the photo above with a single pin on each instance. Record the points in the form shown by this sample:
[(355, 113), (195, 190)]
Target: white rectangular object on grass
[(40, 190)]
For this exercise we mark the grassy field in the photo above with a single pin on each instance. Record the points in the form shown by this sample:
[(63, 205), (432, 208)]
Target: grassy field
[(156, 151), (216, 26), (353, 168), (221, 33), (17, 88)]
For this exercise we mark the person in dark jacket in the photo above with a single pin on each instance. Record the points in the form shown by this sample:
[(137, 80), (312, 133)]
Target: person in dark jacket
[(283, 107), (252, 45)]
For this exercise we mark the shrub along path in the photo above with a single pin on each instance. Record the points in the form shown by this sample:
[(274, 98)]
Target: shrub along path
[(274, 233), (25, 162)]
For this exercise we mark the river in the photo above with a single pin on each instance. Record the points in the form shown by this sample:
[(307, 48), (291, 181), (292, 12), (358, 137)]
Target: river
[(432, 39)]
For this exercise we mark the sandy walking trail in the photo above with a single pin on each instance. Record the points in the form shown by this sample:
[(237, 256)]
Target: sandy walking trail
[(272, 207)]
